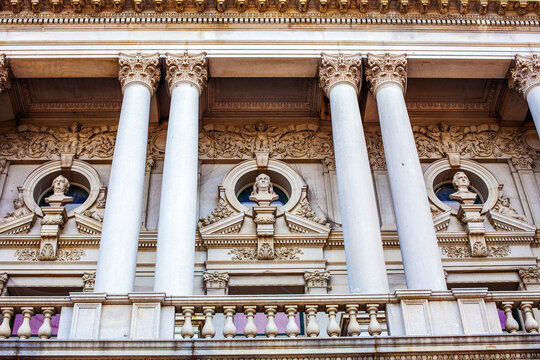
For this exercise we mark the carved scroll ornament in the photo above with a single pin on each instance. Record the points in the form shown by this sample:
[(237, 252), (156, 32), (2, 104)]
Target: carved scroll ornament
[(525, 75), (138, 68), (340, 69), (187, 68), (384, 69)]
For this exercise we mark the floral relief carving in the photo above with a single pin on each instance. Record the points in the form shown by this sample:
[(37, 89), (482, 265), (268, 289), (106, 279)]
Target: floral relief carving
[(340, 69), (286, 253), (187, 68), (89, 280), (384, 69), (525, 75), (138, 68), (240, 254), (42, 142), (215, 279), (503, 207), (317, 278), (5, 81), (221, 212), (62, 254), (530, 275), (463, 251)]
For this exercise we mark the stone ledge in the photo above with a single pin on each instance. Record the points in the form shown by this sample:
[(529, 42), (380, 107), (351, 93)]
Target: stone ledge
[(517, 346)]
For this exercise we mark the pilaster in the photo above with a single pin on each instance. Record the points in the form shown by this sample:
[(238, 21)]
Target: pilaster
[(187, 68), (5, 82), (525, 74), (143, 69), (338, 69), (384, 69)]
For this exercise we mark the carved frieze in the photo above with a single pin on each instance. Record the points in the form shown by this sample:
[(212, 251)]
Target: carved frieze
[(5, 81), (463, 251), (340, 69), (242, 254), (386, 68), (42, 142), (139, 68), (70, 254), (187, 68), (525, 75), (288, 253)]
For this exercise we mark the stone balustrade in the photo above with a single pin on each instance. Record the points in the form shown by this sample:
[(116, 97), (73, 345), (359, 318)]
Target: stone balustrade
[(233, 317)]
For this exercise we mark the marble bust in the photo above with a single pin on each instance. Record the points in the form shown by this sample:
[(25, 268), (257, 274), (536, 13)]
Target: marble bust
[(60, 185), (461, 183), (263, 191)]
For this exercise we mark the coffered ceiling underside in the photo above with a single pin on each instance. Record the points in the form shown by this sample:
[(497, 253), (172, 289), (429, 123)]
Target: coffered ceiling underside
[(56, 101)]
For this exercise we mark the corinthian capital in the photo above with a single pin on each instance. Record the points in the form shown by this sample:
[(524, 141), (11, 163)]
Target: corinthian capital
[(525, 75), (340, 69), (139, 68), (386, 69), (187, 68), (5, 82)]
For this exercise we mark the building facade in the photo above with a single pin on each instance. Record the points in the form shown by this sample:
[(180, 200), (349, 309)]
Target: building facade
[(265, 179)]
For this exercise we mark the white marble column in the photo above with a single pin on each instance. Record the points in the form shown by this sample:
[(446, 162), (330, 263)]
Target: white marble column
[(525, 78), (387, 77), (117, 260), (340, 77), (175, 256)]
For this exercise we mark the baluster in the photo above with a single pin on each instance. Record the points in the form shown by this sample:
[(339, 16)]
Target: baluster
[(292, 329), (312, 328), (374, 328), (531, 325), (250, 330), (229, 330), (333, 328), (354, 328), (25, 331), (5, 329), (511, 324), (271, 329), (187, 330), (208, 331), (45, 330)]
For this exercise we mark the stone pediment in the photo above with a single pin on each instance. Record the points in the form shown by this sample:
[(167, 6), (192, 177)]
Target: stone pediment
[(228, 225), (299, 224), (87, 225), (507, 223), (18, 226), (441, 221)]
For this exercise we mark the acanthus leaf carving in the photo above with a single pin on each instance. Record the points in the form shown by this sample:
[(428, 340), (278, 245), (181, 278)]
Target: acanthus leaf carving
[(89, 280), (221, 212), (338, 70), (525, 75), (288, 253), (463, 251), (5, 81), (385, 69), (139, 68), (62, 255), (530, 275), (215, 279), (187, 68), (305, 211), (242, 254)]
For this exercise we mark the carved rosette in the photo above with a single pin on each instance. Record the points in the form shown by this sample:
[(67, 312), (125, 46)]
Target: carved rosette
[(139, 68), (386, 69), (340, 69), (187, 68), (525, 74), (5, 81)]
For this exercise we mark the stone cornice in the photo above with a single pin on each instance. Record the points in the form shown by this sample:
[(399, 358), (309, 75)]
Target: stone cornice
[(339, 69), (384, 69), (5, 82), (525, 74), (139, 68), (187, 68)]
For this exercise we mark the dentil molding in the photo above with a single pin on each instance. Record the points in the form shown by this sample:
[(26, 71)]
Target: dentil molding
[(525, 74), (139, 68), (384, 69), (187, 68), (340, 69)]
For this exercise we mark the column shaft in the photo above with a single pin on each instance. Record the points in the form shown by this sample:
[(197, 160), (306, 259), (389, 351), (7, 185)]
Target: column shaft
[(361, 229), (175, 257), (533, 99), (122, 220), (417, 238)]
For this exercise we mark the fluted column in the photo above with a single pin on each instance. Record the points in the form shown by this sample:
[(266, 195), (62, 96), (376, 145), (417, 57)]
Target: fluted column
[(525, 79), (5, 82), (139, 76), (387, 76), (175, 256), (340, 77)]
